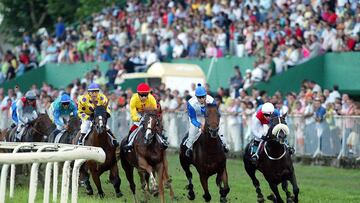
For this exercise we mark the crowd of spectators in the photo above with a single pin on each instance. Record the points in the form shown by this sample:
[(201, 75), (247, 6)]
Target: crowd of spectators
[(311, 105), (280, 33)]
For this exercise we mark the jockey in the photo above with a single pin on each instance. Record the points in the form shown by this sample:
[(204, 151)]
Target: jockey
[(260, 127), (24, 111), (86, 106), (60, 111), (196, 109), (139, 102)]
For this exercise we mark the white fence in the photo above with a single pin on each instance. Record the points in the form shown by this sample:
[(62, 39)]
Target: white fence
[(335, 136), (54, 154)]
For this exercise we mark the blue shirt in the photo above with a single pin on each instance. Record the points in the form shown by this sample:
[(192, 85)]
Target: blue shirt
[(59, 29), (59, 110), (195, 109), (320, 112)]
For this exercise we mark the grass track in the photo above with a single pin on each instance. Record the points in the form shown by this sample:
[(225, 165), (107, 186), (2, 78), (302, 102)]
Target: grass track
[(317, 184)]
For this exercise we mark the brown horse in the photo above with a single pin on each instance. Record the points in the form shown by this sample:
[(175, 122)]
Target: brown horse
[(208, 157), (147, 156), (99, 137), (274, 162), (37, 130)]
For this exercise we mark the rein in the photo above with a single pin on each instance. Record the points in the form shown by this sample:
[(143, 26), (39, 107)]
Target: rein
[(272, 158)]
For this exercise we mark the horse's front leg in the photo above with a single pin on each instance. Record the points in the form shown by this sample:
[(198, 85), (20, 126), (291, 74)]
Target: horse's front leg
[(115, 179), (160, 172), (284, 186), (250, 170), (95, 174), (204, 183), (277, 198), (295, 187), (224, 190)]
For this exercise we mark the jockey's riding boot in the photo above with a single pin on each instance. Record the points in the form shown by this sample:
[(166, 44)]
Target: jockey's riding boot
[(54, 134), (226, 149), (290, 148), (164, 141), (114, 141), (13, 125), (254, 151), (80, 141), (188, 152)]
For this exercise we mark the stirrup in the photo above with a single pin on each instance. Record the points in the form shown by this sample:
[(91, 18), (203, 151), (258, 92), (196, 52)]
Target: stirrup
[(188, 152), (255, 158)]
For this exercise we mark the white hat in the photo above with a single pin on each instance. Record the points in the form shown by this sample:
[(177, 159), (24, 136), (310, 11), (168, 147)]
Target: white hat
[(248, 71)]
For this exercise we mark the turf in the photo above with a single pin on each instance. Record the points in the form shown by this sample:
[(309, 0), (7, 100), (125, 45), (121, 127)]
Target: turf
[(317, 184)]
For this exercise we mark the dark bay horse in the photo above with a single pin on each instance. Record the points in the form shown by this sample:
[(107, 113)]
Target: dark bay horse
[(69, 134), (148, 156), (37, 130), (98, 137), (208, 157), (274, 162)]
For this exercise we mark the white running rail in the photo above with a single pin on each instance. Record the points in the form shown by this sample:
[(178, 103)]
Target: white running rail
[(55, 153)]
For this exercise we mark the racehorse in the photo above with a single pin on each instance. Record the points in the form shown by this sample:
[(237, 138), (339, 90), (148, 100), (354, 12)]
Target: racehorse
[(37, 130), (274, 162), (98, 137), (147, 156), (208, 157), (67, 134)]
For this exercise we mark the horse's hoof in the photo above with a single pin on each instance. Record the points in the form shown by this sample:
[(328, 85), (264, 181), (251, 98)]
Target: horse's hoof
[(155, 193), (223, 199), (101, 195), (260, 200), (90, 192), (289, 200), (191, 195), (271, 197), (207, 198), (119, 194)]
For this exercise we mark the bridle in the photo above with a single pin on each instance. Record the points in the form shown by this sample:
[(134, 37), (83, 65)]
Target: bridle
[(280, 127)]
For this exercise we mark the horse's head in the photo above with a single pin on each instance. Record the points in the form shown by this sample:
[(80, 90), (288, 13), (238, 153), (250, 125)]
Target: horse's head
[(212, 120), (100, 119), (278, 128), (150, 124), (41, 127)]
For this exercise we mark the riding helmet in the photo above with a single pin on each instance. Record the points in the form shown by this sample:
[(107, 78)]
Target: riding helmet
[(200, 91), (143, 88), (267, 108), (93, 87), (30, 95)]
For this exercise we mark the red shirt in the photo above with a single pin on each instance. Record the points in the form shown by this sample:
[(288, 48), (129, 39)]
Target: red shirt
[(332, 19), (262, 119), (351, 43)]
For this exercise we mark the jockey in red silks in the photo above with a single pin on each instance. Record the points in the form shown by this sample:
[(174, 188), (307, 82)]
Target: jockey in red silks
[(260, 127)]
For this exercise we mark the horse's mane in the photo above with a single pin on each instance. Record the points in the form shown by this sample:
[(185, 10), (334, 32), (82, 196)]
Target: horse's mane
[(276, 127), (99, 111)]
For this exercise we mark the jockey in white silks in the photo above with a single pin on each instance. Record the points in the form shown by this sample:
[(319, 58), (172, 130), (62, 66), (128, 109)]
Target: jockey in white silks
[(196, 107)]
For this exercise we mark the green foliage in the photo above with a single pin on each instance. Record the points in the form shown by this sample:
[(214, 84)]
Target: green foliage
[(28, 16), (317, 184), (89, 7)]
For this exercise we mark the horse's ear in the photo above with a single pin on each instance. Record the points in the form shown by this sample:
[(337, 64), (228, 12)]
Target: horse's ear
[(284, 115)]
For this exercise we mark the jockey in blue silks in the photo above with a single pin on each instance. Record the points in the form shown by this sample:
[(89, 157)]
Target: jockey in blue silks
[(60, 111), (196, 107)]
